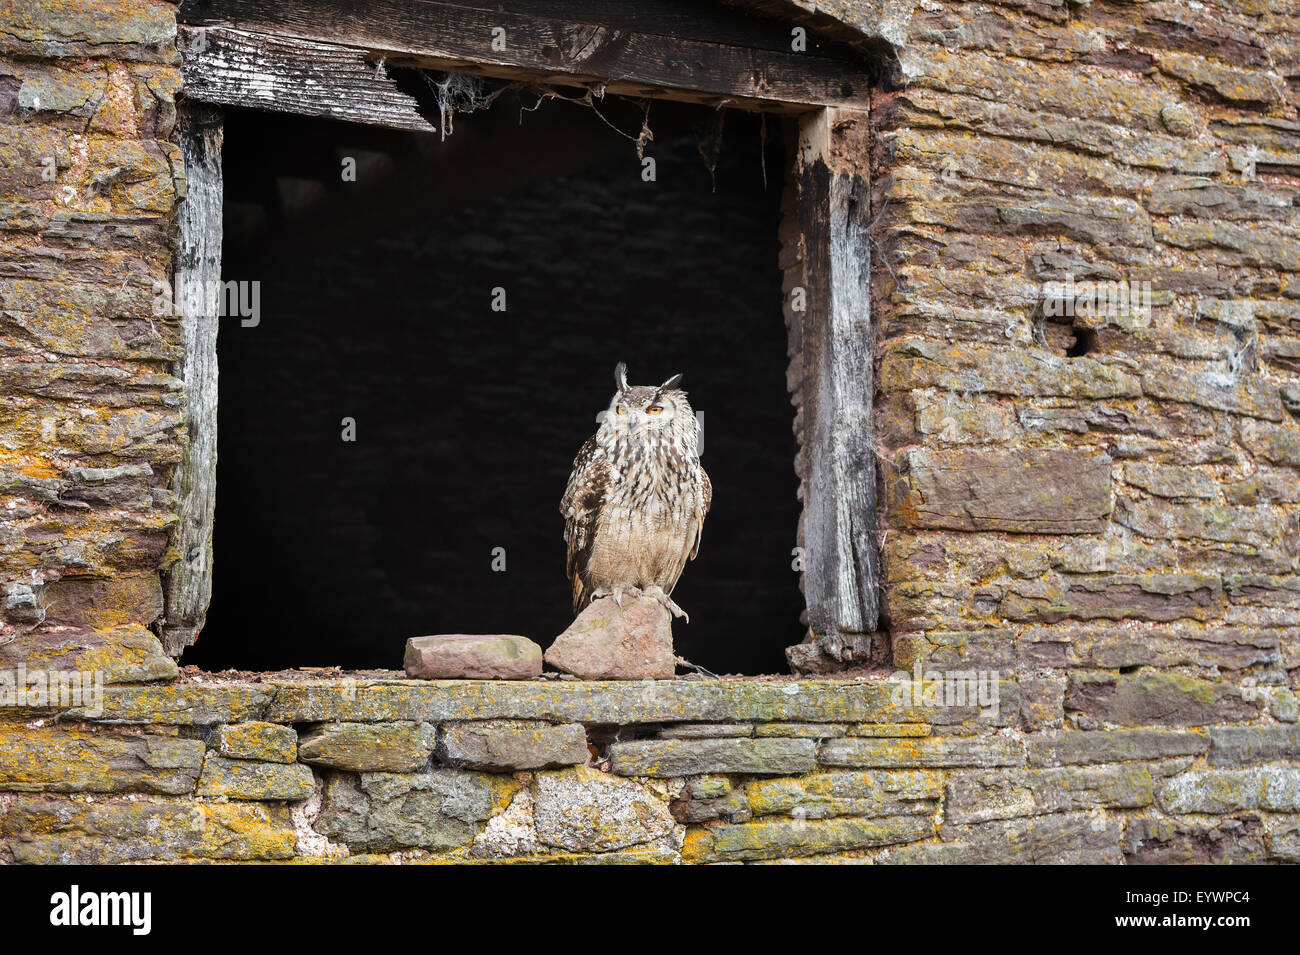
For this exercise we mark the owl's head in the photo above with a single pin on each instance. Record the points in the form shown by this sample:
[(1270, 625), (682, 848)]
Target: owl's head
[(644, 410)]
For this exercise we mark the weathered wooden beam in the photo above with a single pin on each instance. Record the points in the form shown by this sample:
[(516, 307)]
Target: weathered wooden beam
[(289, 75), (188, 580), (841, 577), (518, 44)]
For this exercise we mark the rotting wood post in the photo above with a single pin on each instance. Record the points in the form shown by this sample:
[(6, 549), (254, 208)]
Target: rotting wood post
[(195, 290), (841, 569)]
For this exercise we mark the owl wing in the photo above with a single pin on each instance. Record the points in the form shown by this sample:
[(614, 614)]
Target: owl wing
[(581, 505), (706, 495)]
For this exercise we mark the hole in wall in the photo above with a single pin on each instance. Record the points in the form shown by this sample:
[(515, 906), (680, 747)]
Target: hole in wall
[(1085, 342), (375, 305)]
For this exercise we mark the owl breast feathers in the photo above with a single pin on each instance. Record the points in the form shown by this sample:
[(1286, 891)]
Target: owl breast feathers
[(635, 503)]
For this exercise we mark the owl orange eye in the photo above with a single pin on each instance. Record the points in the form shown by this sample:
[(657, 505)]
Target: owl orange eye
[(620, 409), (654, 409)]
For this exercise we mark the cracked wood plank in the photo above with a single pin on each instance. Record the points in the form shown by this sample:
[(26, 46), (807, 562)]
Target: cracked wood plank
[(288, 75)]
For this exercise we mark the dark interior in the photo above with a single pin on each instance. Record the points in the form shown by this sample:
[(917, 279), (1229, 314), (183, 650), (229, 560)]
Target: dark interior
[(375, 305)]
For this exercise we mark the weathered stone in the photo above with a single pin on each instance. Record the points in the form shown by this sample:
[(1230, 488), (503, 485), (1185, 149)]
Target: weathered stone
[(376, 747), (1284, 705), (826, 794), (982, 796), (712, 730), (609, 643), (1157, 699), (466, 656), (1159, 597), (1170, 481), (714, 701), (583, 810), (98, 603), (1046, 492), (186, 704), (1073, 838), (268, 742), (693, 757), (382, 812), (1264, 590), (510, 833), (1110, 746), (1267, 788), (1251, 244), (768, 839), (129, 654), (1277, 445), (969, 421), (1043, 701), (934, 751), (730, 807), (46, 830), (1249, 745), (796, 730), (882, 730), (1116, 647), (1284, 843), (249, 779), (969, 369), (1230, 82), (956, 650), (70, 760), (512, 745), (136, 30), (1161, 841)]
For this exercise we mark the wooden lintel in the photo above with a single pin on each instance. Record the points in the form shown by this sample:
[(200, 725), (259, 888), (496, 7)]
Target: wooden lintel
[(515, 44)]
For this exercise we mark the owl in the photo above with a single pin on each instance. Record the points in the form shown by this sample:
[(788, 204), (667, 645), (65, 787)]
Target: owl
[(635, 503)]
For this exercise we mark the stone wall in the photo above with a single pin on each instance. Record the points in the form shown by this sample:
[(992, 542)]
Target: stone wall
[(1101, 509), (1104, 506), (90, 418), (693, 771)]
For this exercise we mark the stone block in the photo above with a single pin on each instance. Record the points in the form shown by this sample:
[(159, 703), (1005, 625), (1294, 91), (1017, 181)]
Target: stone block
[(374, 747), (1072, 747), (269, 742), (249, 779), (768, 839), (465, 656), (698, 756), (1157, 699), (1262, 788), (439, 810), (865, 793), (49, 830), (512, 745), (583, 810), (1028, 491), (71, 760), (926, 752)]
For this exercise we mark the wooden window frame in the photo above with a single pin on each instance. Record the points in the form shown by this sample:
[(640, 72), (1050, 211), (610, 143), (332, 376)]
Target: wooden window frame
[(271, 56)]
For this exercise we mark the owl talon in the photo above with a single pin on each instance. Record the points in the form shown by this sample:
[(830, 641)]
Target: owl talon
[(657, 593)]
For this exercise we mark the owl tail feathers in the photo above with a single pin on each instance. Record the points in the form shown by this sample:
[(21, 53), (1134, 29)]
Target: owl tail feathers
[(581, 594)]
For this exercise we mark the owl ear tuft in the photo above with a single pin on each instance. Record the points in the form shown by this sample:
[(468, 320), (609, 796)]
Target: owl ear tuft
[(620, 375), (672, 382)]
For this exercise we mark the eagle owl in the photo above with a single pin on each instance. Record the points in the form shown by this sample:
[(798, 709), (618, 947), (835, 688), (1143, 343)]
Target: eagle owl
[(635, 503)]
